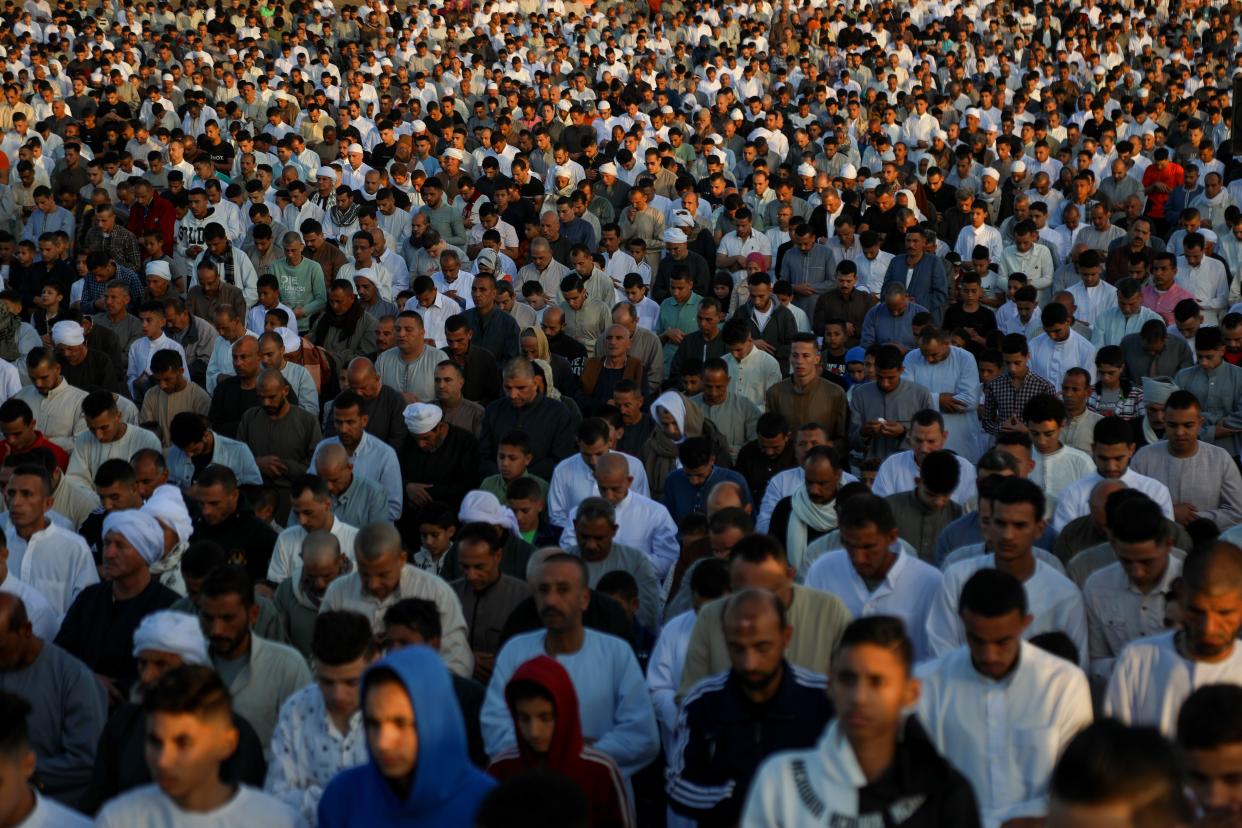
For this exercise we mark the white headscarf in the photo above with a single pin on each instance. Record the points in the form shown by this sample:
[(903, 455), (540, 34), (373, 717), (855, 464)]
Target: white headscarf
[(674, 404), (143, 532), (168, 507), (483, 507), (172, 632)]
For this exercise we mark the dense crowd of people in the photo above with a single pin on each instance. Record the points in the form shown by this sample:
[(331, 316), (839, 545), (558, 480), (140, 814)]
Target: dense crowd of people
[(613, 414)]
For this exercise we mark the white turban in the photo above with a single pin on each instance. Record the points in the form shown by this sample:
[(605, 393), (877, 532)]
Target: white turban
[(563, 171), (354, 149), (1157, 390), (293, 342), (68, 333), (682, 218), (168, 507), (483, 507), (849, 171), (608, 169), (160, 269), (675, 404), (420, 418), (364, 273), (674, 235), (486, 260), (141, 530), (169, 631), (806, 170), (326, 172), (454, 152)]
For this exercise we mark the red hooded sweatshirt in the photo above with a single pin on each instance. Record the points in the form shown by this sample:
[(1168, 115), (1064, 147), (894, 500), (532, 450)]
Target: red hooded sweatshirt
[(594, 772)]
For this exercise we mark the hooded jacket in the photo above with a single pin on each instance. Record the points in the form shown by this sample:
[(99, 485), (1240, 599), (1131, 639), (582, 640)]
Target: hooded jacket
[(446, 791), (594, 772), (659, 454), (824, 785)]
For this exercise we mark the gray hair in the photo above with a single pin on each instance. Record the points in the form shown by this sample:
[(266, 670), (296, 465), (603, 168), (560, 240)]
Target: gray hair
[(376, 540), (320, 545), (519, 368), (595, 508)]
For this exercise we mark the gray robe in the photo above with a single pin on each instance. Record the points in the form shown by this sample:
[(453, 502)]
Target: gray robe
[(868, 402)]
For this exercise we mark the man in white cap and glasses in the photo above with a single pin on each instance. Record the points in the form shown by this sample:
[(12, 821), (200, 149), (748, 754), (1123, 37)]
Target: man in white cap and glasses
[(439, 461), (355, 173), (164, 641), (99, 627)]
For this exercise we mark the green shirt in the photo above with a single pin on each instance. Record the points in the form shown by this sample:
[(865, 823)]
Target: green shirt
[(301, 286), (682, 317)]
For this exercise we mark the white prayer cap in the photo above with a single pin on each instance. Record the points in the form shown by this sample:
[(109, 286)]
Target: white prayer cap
[(168, 507), (68, 333), (564, 105), (141, 530), (682, 218), (604, 106), (972, 112), (169, 631), (988, 172), (871, 183), (326, 172), (159, 269), (293, 342), (805, 170), (736, 115), (483, 507), (563, 171), (167, 77), (419, 126), (364, 273), (1018, 167), (666, 110), (1157, 390), (941, 134), (354, 148), (849, 171), (608, 169), (674, 236), (421, 418), (1208, 235), (454, 152)]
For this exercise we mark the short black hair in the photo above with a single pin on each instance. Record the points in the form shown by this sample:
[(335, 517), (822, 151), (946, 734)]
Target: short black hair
[(695, 452), (1210, 717), (940, 472), (866, 509), (885, 631), (192, 689), (341, 636), (992, 593), (418, 614), (14, 727), (229, 579)]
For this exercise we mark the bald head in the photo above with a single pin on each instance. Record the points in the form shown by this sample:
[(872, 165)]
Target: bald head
[(612, 464), (753, 607), (331, 458), (270, 381), (377, 541), (320, 548), (1216, 571), (553, 315), (726, 495), (1099, 498), (361, 370)]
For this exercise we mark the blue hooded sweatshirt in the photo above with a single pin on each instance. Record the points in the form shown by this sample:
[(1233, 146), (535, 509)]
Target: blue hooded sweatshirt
[(447, 790)]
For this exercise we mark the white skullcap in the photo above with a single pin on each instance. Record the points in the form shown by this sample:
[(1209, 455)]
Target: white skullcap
[(806, 170), (364, 273), (674, 236), (168, 507), (563, 171), (1208, 235), (140, 530), (682, 218), (68, 333), (293, 342), (483, 507), (167, 77), (941, 134), (160, 269), (454, 152), (849, 171), (871, 183), (169, 631), (355, 148), (1157, 390), (666, 110), (326, 172), (991, 173), (564, 105), (1018, 167), (736, 115), (603, 105), (420, 418), (608, 169), (972, 112), (419, 126)]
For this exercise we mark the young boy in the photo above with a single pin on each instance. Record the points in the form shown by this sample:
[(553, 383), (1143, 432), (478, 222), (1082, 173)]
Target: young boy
[(528, 497), (269, 298), (692, 377), (1113, 395), (784, 293), (622, 587), (533, 293), (513, 457), (190, 734), (544, 707), (856, 365), (835, 350), (439, 524), (970, 313), (1056, 464), (636, 292), (1009, 316), (151, 316), (51, 307)]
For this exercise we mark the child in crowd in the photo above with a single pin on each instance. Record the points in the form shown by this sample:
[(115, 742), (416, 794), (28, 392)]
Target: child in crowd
[(439, 524)]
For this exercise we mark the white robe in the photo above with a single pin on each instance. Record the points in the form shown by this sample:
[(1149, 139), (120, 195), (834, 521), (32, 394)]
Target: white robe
[(1055, 472), (1075, 499), (957, 374)]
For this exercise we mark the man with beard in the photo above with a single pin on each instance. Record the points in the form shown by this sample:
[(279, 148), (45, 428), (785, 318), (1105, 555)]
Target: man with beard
[(560, 342), (237, 394), (1154, 675), (762, 705), (164, 641), (281, 437), (298, 598), (260, 674)]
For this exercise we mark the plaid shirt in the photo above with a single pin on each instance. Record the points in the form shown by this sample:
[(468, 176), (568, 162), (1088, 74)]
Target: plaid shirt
[(120, 244), (1128, 406), (93, 289), (1002, 401)]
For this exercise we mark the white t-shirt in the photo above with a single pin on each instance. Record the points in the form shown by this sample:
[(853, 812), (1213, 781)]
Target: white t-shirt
[(149, 807)]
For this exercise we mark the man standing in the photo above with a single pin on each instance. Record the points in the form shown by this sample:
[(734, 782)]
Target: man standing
[(1059, 348), (1111, 450), (107, 437), (1154, 675), (487, 595), (881, 412), (806, 396), (1202, 478), (734, 416), (752, 371), (281, 437), (55, 404), (492, 328), (545, 420), (593, 539), (873, 758), (439, 462), (731, 722), (922, 273), (311, 505), (1006, 395), (410, 366), (1001, 707), (951, 375), (1217, 385), (927, 434), (27, 804), (811, 511), (615, 707)]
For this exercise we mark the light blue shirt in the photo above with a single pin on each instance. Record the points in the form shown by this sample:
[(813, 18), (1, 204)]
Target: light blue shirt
[(227, 452), (374, 460)]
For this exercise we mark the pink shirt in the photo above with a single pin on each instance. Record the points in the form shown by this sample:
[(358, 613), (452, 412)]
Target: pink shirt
[(1163, 301)]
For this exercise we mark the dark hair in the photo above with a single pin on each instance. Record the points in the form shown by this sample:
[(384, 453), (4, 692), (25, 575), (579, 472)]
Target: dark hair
[(1044, 407), (1109, 761), (229, 579), (618, 582), (312, 483), (927, 417), (111, 472), (1112, 431), (192, 689), (418, 614), (1014, 343), (884, 631), (1133, 517), (992, 593), (757, 549), (341, 636), (695, 452), (940, 472), (98, 403), (1210, 717), (476, 532), (535, 799), (771, 424), (888, 357), (866, 510), (1181, 400), (218, 474), (187, 428), (592, 430), (710, 578), (14, 728), (14, 409), (1016, 490)]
